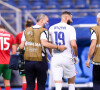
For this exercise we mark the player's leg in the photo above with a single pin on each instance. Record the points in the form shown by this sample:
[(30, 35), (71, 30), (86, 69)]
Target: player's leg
[(7, 84), (1, 69), (69, 72), (35, 84), (24, 85), (7, 77), (22, 71), (57, 72), (71, 83)]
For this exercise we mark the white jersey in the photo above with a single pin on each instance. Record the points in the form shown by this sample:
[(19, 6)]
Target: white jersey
[(62, 34)]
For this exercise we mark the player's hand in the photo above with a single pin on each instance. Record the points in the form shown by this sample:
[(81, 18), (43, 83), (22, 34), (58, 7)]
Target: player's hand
[(76, 60), (61, 48), (88, 63)]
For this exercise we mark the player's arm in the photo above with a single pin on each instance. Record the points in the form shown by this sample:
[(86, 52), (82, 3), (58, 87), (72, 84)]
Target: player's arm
[(91, 51), (74, 47), (50, 50), (47, 44), (14, 49), (73, 40), (21, 46), (92, 47), (73, 44)]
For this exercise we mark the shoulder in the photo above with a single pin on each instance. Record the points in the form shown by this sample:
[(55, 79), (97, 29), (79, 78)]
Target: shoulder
[(71, 28), (8, 34), (93, 28), (19, 34), (53, 26)]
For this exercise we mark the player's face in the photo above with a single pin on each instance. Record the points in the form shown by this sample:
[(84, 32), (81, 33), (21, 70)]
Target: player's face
[(46, 20), (69, 21), (98, 21)]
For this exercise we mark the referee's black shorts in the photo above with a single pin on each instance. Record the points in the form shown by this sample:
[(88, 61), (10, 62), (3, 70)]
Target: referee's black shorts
[(96, 73), (36, 69)]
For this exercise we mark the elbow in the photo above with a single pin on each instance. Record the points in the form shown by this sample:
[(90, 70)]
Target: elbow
[(44, 43), (13, 53)]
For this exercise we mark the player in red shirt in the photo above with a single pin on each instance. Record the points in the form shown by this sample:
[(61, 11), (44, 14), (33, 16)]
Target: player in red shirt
[(28, 23), (7, 42), (18, 41)]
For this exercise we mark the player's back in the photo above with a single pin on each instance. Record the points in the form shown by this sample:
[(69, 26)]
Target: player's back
[(61, 34), (6, 41)]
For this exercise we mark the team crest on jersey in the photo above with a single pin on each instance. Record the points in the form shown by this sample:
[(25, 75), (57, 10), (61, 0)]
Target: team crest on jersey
[(30, 33)]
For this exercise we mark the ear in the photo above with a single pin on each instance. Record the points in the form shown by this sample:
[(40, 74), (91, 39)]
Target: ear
[(41, 20)]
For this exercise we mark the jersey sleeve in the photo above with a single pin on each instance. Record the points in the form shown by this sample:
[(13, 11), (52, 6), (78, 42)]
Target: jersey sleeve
[(23, 37), (13, 40), (17, 39), (44, 35), (93, 35), (50, 34), (72, 34)]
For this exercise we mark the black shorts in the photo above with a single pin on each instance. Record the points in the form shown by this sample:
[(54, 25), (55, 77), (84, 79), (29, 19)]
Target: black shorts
[(96, 73)]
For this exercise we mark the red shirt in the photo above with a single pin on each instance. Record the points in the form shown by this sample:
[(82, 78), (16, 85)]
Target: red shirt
[(18, 38), (6, 41)]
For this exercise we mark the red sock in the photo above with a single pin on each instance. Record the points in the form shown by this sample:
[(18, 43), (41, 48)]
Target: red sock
[(7, 88), (35, 86), (24, 85), (0, 88)]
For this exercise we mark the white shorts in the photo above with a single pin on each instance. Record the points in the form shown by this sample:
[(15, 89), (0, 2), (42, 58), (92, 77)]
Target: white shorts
[(60, 65)]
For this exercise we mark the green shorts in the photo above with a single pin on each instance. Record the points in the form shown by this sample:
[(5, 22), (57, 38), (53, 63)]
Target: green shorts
[(5, 71)]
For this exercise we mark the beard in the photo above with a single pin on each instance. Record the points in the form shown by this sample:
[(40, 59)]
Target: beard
[(68, 22)]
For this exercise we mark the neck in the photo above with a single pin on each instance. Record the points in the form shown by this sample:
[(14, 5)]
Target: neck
[(39, 23), (2, 29), (63, 21)]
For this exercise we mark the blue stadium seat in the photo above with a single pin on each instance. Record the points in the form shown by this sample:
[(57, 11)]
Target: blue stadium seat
[(87, 72), (9, 2), (67, 4), (52, 5), (23, 5), (81, 4), (94, 4), (37, 6), (53, 15), (79, 77), (78, 69)]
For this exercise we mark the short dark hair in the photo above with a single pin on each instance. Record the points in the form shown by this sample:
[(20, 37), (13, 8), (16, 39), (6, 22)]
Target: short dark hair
[(29, 23), (66, 12), (2, 26)]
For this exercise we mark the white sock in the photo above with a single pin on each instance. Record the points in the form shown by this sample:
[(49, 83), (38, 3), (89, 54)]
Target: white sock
[(71, 86), (58, 86)]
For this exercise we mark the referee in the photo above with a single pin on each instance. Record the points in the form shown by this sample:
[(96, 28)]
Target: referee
[(95, 51), (35, 40)]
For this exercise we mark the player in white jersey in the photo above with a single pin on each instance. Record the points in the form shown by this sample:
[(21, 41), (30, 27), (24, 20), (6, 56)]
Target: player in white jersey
[(63, 34)]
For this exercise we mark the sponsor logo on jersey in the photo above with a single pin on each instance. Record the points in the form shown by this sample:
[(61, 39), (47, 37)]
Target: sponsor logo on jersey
[(59, 27)]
